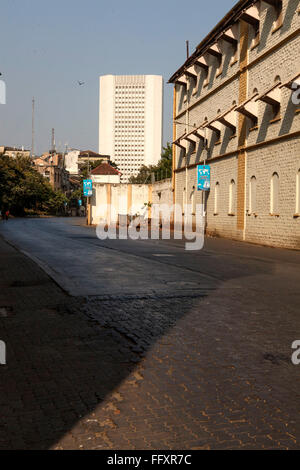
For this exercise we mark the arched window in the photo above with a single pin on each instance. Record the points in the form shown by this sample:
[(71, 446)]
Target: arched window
[(232, 198), (252, 195), (217, 195), (298, 193), (274, 209), (277, 105), (277, 79)]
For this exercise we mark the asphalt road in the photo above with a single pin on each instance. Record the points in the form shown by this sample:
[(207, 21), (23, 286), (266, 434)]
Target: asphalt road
[(156, 347), (86, 266)]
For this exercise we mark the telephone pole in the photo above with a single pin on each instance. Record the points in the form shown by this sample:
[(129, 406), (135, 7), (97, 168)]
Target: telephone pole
[(32, 135), (53, 142)]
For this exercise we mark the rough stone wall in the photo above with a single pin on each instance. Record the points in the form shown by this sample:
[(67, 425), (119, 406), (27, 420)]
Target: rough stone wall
[(284, 230), (271, 146), (162, 193)]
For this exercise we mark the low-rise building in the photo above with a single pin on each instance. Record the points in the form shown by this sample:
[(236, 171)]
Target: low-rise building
[(74, 159), (51, 167), (14, 152), (71, 161), (237, 109), (105, 173), (88, 155)]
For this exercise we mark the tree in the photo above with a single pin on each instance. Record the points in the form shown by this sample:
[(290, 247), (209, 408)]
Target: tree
[(76, 196), (57, 202), (114, 165), (21, 186), (160, 171), (23, 189), (86, 167), (167, 153)]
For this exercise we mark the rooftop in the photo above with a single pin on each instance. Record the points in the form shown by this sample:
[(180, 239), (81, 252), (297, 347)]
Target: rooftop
[(232, 16), (91, 154), (105, 169)]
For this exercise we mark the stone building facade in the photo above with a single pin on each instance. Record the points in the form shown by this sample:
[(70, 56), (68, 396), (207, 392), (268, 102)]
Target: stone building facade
[(51, 167), (237, 109)]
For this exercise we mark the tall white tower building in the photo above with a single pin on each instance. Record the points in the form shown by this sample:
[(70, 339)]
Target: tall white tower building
[(130, 127)]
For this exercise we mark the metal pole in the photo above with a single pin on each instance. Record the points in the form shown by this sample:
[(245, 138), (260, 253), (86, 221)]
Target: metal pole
[(187, 119), (204, 195), (53, 141), (89, 199), (32, 134)]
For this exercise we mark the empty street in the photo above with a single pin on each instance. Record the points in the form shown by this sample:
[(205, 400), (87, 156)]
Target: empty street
[(141, 344)]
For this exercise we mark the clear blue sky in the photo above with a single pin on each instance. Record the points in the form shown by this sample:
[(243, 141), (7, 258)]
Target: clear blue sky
[(46, 46)]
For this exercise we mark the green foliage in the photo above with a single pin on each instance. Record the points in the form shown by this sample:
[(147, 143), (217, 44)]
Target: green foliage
[(76, 196), (88, 166), (24, 191), (167, 152), (21, 186), (114, 165), (56, 202), (160, 171)]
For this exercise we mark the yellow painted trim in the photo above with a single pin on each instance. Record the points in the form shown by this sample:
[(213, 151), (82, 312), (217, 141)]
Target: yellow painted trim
[(129, 197), (149, 200), (108, 205)]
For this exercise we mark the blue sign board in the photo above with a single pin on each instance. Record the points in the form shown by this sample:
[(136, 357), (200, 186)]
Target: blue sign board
[(203, 177), (87, 188), (79, 202)]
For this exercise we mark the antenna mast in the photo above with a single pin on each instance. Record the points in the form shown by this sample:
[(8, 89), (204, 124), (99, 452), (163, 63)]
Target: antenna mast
[(53, 142), (32, 135), (187, 49)]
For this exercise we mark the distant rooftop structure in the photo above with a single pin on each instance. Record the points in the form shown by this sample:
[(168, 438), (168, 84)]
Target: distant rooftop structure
[(75, 158), (105, 169), (13, 152), (105, 173), (85, 155)]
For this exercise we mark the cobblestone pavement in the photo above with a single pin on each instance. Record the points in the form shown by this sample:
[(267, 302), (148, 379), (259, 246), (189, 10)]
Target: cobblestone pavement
[(208, 370)]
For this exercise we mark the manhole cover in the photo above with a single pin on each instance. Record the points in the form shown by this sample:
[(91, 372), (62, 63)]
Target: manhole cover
[(5, 312)]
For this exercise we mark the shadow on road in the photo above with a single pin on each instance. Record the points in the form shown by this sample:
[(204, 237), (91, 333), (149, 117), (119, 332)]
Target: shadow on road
[(66, 356)]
